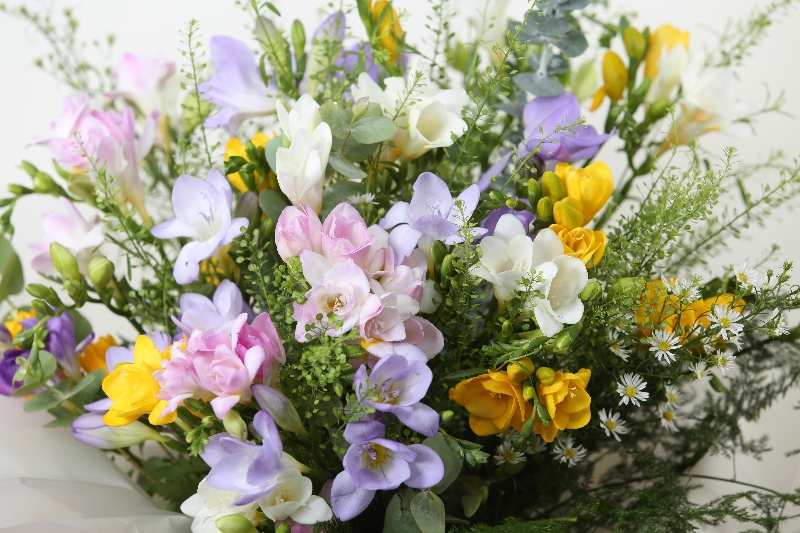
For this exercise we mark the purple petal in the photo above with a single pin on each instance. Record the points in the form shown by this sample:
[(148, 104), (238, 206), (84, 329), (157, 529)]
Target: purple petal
[(427, 469), (347, 500), (433, 226), (363, 431), (403, 239), (100, 406), (268, 431), (397, 214), (420, 418), (431, 197)]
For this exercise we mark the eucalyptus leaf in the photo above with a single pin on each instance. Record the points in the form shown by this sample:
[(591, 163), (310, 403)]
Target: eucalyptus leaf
[(573, 44), (547, 25), (48, 364), (345, 167), (357, 152), (46, 399), (538, 85), (11, 279), (428, 512), (452, 461), (338, 193), (398, 517), (88, 393), (370, 130), (336, 118), (271, 152), (512, 108), (555, 64), (569, 5), (273, 203)]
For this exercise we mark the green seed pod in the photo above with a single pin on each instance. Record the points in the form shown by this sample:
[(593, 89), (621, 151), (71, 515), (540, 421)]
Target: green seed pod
[(563, 341), (546, 375), (447, 416), (528, 391), (298, 38), (236, 523), (498, 197), (508, 328), (234, 425), (545, 208), (18, 190), (438, 252), (591, 291)]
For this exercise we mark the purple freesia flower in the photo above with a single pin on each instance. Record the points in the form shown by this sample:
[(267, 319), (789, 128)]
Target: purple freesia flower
[(430, 216), (60, 342), (244, 467), (199, 312), (202, 213), (90, 429), (490, 222), (9, 367), (349, 59), (374, 463), (396, 385), (494, 171), (236, 86), (544, 114)]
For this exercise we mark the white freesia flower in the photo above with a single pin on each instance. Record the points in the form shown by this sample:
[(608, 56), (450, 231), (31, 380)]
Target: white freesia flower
[(301, 167), (507, 257), (671, 65), (210, 504), (304, 115), (428, 118), (292, 498)]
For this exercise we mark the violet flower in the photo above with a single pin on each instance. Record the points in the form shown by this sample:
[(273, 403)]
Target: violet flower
[(431, 215), (73, 231), (203, 214), (243, 467), (60, 342), (544, 114), (236, 86), (373, 463), (90, 429), (198, 312), (349, 59), (396, 385)]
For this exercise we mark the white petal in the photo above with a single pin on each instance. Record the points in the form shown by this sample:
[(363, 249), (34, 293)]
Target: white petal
[(508, 227), (546, 247)]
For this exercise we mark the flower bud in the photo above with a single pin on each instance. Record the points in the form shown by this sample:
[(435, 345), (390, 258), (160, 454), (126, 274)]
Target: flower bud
[(497, 196), (448, 268), (43, 183), (438, 252), (716, 384), (553, 186), (658, 109), (447, 416), (234, 425), (528, 390), (75, 290), (29, 168), (285, 527), (507, 328), (534, 191), (298, 38), (81, 186), (247, 207), (101, 271), (18, 190), (640, 92), (615, 75), (236, 523), (591, 291), (41, 308), (280, 408), (545, 375), (37, 290), (634, 43), (544, 208), (568, 212), (517, 373), (360, 107), (563, 340), (515, 204), (90, 430), (65, 262)]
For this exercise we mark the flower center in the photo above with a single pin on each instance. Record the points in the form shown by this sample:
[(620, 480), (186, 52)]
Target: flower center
[(631, 391), (663, 346), (569, 453), (743, 276), (723, 361), (725, 322), (375, 455), (386, 394), (611, 425), (668, 416), (509, 455), (336, 304)]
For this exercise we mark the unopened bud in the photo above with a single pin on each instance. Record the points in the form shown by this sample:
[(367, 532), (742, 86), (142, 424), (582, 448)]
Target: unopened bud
[(360, 107), (634, 42), (447, 416), (81, 186), (286, 527), (716, 384), (75, 290), (29, 168), (658, 109), (42, 309), (515, 203), (18, 190), (37, 290), (545, 375), (280, 408), (591, 291), (520, 370), (247, 207), (507, 328), (43, 183), (298, 38), (568, 212), (528, 391), (640, 92), (544, 208), (563, 340), (438, 252), (234, 425), (553, 186), (448, 268), (534, 191), (498, 197), (236, 523), (101, 271), (64, 261)]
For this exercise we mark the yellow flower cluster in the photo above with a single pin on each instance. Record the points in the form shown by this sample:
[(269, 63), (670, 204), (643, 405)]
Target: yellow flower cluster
[(235, 147), (14, 326), (389, 32)]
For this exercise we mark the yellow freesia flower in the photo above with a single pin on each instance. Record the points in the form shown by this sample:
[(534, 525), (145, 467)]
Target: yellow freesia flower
[(615, 79), (494, 402), (93, 357), (133, 388), (14, 326), (566, 401), (663, 40), (568, 212), (585, 244), (389, 32), (235, 147), (591, 186)]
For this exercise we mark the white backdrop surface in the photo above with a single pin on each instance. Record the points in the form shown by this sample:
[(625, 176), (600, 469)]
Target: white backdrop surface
[(30, 100)]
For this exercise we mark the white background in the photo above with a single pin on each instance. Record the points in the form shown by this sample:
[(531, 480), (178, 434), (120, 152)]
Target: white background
[(30, 100)]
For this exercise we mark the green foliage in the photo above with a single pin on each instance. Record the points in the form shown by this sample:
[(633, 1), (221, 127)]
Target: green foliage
[(174, 481)]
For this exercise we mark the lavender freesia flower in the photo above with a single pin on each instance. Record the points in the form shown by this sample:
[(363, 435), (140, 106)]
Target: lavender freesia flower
[(243, 467), (490, 222), (396, 385), (544, 114), (60, 342), (199, 312), (374, 463), (236, 86), (9, 367), (202, 213), (431, 215), (90, 429)]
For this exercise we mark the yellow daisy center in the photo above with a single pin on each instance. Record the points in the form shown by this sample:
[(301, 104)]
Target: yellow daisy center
[(611, 425), (671, 397), (509, 455), (723, 361), (663, 346), (668, 416), (743, 276), (725, 322), (631, 391), (569, 453)]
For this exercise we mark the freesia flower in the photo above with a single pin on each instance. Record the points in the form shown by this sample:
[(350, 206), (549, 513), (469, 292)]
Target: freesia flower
[(382, 317), (304, 115), (61, 342), (591, 186), (667, 56), (543, 115), (235, 147), (431, 215), (93, 356), (301, 167), (203, 214), (236, 86), (490, 222), (199, 312), (90, 429), (615, 79), (494, 402), (584, 244), (390, 32), (132, 387), (292, 498), (566, 401), (506, 257), (210, 504), (396, 385), (80, 236), (15, 326), (147, 83), (374, 463)]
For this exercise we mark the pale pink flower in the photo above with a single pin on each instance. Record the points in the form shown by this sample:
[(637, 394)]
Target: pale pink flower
[(71, 230), (147, 83)]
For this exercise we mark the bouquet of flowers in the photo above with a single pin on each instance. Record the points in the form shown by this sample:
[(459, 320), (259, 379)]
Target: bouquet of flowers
[(376, 288)]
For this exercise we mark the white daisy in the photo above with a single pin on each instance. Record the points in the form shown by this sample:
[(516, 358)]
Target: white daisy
[(727, 320), (682, 288), (780, 326), (673, 395), (509, 435), (363, 199), (612, 424), (736, 341), (616, 347), (631, 388), (745, 277), (505, 454), (566, 451), (699, 370), (724, 361), (663, 342), (538, 446), (667, 414)]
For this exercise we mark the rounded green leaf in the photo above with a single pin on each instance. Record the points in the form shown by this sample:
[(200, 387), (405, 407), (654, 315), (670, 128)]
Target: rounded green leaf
[(428, 512), (336, 119), (369, 130), (451, 460)]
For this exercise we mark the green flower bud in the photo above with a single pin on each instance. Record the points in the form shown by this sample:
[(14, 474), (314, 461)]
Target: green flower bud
[(18, 190), (508, 328), (544, 208), (234, 425), (75, 290), (585, 83), (81, 186), (640, 92), (360, 107), (563, 341), (286, 527), (37, 290), (553, 186), (448, 268), (498, 197), (298, 38), (438, 252), (515, 203), (534, 192), (658, 109), (447, 416), (545, 375), (716, 384), (591, 291), (528, 391), (634, 43), (247, 207), (29, 168), (44, 184), (65, 262), (236, 523), (42, 309), (101, 271)]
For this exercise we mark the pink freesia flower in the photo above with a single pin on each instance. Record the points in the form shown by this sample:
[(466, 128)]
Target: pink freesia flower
[(177, 382), (298, 229), (149, 84), (257, 338), (382, 317), (82, 136), (345, 236), (71, 230)]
